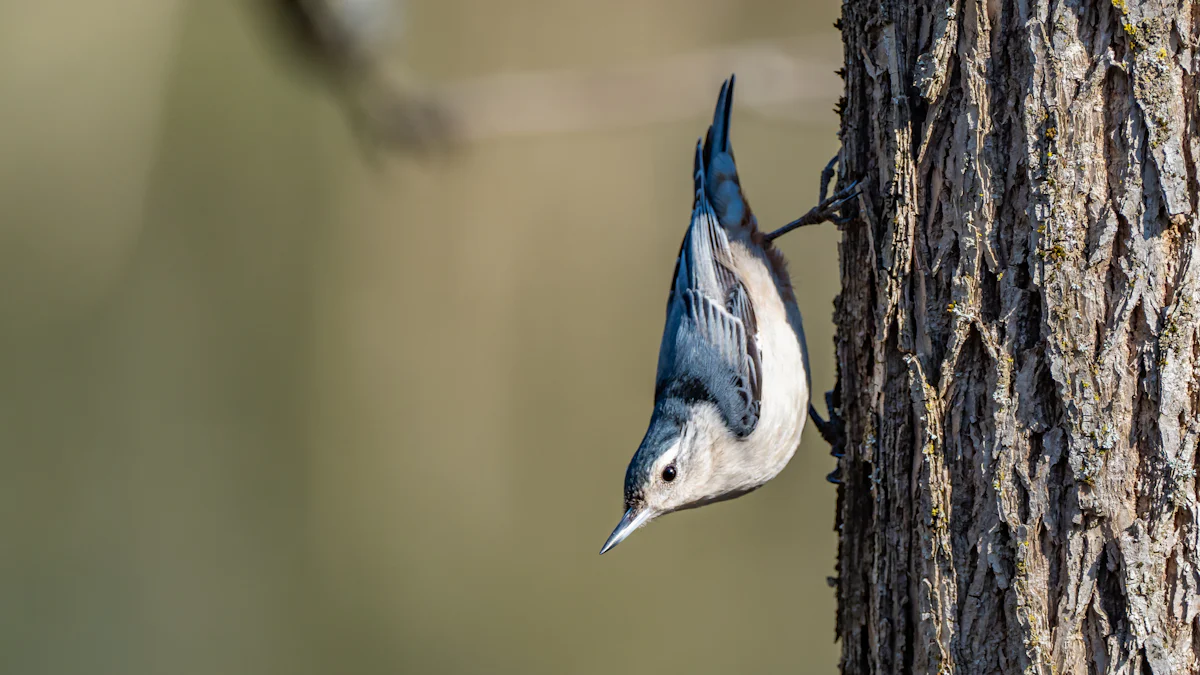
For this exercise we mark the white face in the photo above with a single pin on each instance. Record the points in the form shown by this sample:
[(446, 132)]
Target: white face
[(706, 463), (695, 469)]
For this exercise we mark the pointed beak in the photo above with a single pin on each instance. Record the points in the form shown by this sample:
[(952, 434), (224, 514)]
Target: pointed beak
[(632, 520)]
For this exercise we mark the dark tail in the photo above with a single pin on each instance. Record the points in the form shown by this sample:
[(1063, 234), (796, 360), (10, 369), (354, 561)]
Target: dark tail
[(718, 134), (721, 184), (700, 176)]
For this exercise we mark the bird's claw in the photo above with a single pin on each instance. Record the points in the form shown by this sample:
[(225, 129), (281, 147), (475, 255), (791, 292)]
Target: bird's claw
[(826, 177), (828, 209), (832, 430), (824, 212)]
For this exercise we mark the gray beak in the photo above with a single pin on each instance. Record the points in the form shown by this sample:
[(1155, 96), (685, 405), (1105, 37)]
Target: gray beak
[(631, 521)]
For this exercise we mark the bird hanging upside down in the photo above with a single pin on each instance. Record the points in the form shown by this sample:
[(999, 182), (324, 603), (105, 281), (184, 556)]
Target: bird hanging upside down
[(732, 391)]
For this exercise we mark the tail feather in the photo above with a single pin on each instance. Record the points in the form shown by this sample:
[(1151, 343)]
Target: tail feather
[(718, 134), (717, 180), (720, 181)]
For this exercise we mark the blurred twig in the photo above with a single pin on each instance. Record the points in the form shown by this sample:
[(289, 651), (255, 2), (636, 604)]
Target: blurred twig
[(345, 42)]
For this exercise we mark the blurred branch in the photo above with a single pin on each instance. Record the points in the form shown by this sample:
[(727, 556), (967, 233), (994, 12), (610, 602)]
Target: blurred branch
[(388, 107), (771, 79)]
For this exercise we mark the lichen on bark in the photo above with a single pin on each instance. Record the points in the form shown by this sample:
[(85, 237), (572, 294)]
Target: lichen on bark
[(1019, 365)]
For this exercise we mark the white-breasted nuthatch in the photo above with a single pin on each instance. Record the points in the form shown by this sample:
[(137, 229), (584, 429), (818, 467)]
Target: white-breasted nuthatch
[(732, 390)]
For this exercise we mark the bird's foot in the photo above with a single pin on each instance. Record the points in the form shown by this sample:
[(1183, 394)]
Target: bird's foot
[(827, 209), (832, 430), (825, 212)]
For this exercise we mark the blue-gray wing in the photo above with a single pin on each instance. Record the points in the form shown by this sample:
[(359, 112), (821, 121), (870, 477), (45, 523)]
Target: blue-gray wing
[(709, 351)]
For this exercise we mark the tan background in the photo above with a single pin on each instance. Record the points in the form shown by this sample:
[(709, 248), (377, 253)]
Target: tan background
[(264, 411)]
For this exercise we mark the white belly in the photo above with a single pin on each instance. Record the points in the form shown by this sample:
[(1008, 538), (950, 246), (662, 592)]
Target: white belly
[(785, 394)]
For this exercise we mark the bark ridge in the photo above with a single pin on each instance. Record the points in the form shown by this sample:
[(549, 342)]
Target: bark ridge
[(1019, 368)]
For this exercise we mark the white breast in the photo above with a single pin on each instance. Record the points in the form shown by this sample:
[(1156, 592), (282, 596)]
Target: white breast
[(785, 394)]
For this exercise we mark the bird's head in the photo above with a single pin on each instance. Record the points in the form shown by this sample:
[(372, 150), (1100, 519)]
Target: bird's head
[(684, 461)]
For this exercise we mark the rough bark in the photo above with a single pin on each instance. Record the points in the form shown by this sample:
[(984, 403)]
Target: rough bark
[(1017, 337)]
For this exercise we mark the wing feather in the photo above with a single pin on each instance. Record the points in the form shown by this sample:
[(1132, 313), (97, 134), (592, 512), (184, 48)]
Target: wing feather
[(709, 348)]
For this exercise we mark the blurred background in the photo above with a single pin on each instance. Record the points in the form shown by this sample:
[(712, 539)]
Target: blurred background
[(265, 408)]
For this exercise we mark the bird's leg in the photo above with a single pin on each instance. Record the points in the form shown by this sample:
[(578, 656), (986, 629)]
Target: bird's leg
[(826, 177), (826, 210), (832, 430)]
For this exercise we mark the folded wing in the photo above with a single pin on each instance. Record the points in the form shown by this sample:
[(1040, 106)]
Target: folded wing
[(709, 351)]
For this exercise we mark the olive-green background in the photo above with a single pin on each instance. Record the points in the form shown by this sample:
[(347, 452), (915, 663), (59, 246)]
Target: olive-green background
[(263, 410)]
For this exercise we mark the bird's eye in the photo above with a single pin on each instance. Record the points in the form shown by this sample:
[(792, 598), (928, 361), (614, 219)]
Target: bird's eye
[(669, 473)]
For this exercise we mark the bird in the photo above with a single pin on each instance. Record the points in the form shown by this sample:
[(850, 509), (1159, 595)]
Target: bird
[(732, 388)]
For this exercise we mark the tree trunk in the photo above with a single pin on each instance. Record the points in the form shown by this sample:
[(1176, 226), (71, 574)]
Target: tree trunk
[(1017, 337)]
